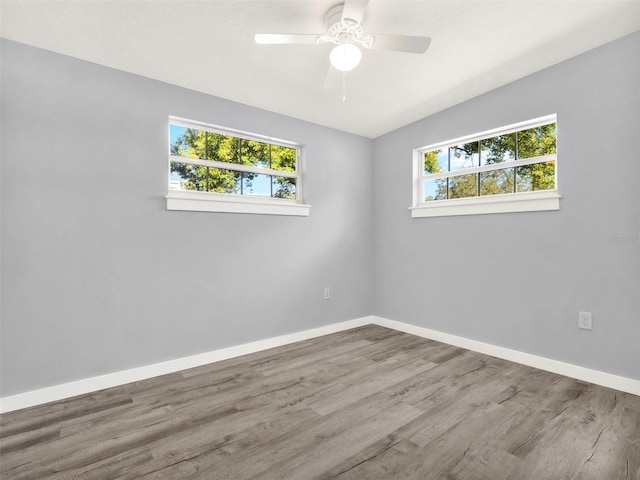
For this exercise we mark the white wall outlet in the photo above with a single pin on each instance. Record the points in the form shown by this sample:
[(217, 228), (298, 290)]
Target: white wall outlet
[(327, 293), (584, 321)]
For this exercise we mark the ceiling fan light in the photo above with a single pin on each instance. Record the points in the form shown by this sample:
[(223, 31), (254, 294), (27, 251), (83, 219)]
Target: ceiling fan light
[(345, 57)]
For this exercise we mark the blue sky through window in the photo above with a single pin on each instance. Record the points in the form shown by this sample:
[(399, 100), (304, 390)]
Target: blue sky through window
[(260, 185)]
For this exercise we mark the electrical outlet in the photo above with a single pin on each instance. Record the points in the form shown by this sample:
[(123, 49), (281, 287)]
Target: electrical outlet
[(327, 293), (585, 321)]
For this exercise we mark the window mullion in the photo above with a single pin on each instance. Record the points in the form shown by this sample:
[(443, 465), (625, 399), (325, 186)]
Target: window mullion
[(270, 177), (491, 167), (515, 169), (478, 174), (448, 167), (232, 166), (239, 160)]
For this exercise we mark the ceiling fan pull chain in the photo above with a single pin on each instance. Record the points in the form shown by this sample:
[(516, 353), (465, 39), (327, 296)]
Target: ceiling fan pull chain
[(344, 86)]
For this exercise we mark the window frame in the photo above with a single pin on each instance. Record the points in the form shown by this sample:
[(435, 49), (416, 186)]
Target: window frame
[(538, 200), (191, 200)]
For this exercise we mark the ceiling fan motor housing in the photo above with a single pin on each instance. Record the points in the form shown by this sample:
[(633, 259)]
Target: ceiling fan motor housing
[(341, 30)]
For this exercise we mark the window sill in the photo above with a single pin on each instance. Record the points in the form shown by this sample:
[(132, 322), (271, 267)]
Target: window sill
[(513, 202), (212, 202)]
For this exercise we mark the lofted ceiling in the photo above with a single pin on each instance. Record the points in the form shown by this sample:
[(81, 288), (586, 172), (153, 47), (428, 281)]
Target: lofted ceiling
[(208, 46)]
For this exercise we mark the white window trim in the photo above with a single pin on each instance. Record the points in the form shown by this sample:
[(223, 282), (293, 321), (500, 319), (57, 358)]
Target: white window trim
[(510, 202), (202, 202), (541, 200), (226, 203)]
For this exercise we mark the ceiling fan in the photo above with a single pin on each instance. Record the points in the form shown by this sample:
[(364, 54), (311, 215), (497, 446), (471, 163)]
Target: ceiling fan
[(344, 29)]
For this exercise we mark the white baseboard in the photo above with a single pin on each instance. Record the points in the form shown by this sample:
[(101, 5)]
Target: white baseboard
[(604, 379), (88, 385)]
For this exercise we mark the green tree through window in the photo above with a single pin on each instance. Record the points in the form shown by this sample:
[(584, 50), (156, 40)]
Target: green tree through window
[(207, 161), (492, 156)]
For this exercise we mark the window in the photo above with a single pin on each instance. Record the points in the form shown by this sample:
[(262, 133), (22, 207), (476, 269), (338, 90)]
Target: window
[(510, 169), (221, 170)]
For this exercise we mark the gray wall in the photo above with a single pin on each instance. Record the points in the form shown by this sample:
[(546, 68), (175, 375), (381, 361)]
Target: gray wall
[(518, 280), (99, 277)]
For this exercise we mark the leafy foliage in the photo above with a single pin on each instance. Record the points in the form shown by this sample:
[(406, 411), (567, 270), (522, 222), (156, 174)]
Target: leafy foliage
[(529, 143), (204, 145)]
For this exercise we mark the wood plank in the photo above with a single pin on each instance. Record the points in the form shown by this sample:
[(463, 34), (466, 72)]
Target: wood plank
[(368, 403)]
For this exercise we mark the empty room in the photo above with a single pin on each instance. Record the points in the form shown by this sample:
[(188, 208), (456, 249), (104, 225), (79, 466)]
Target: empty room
[(333, 239)]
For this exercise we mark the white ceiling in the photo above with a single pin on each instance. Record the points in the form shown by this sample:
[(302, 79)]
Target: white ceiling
[(208, 46)]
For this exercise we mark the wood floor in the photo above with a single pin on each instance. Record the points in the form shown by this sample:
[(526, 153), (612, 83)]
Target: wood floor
[(369, 403)]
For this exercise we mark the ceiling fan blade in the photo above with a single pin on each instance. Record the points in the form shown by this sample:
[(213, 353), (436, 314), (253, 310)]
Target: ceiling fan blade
[(400, 43), (285, 38), (354, 10)]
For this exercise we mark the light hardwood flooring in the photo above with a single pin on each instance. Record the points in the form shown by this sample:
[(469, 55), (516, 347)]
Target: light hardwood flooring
[(368, 403)]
